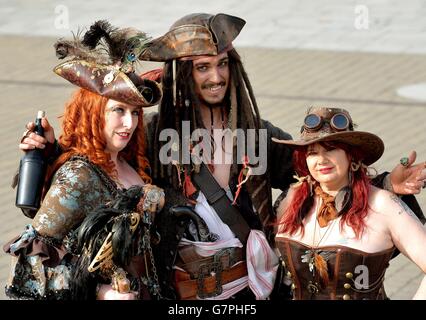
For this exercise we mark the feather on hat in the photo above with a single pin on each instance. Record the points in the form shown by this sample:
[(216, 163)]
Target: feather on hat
[(103, 61)]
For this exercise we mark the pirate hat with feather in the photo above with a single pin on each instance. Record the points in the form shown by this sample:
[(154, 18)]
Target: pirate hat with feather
[(103, 60)]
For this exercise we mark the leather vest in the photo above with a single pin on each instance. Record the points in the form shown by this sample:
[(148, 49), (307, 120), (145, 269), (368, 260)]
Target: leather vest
[(353, 274)]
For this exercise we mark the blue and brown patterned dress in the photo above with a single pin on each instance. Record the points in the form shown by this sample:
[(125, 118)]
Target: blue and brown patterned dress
[(42, 256)]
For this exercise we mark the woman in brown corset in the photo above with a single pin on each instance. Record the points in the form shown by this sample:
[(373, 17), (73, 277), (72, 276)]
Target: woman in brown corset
[(337, 232)]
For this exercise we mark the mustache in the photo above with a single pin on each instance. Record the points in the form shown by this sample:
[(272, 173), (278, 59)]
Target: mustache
[(210, 85)]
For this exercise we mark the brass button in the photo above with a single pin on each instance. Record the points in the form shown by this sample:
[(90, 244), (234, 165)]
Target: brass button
[(293, 286), (283, 263), (346, 297), (349, 275), (289, 274), (347, 285)]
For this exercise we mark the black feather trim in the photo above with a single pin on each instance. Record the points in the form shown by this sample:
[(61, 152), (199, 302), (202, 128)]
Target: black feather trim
[(128, 199), (100, 29), (122, 241), (92, 233), (83, 283), (93, 224)]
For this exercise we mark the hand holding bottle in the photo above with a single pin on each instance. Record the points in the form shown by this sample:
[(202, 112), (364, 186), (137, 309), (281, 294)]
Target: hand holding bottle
[(32, 171), (32, 140)]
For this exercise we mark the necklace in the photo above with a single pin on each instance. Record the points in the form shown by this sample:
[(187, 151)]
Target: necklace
[(316, 262), (329, 228)]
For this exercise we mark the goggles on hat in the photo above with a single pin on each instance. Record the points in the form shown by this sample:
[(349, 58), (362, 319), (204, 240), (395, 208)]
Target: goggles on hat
[(313, 122)]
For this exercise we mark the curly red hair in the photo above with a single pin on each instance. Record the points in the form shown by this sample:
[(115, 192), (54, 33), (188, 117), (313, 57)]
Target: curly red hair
[(82, 134), (292, 219)]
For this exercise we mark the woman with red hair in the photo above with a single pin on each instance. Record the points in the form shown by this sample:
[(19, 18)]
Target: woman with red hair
[(88, 226), (337, 232)]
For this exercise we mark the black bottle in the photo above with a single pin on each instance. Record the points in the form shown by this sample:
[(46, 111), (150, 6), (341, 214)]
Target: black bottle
[(32, 171)]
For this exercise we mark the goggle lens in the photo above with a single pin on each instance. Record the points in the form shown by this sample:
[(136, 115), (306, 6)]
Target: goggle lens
[(340, 122), (312, 121)]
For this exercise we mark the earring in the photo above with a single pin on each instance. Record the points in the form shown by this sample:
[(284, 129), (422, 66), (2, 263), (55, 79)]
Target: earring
[(355, 166)]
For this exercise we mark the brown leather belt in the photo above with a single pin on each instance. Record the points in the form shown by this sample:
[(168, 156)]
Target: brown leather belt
[(207, 284), (191, 262)]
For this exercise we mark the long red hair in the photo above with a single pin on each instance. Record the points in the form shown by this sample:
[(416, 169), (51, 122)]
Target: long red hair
[(292, 219), (82, 134)]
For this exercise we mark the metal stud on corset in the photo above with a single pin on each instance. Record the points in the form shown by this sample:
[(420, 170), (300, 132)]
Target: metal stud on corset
[(313, 287)]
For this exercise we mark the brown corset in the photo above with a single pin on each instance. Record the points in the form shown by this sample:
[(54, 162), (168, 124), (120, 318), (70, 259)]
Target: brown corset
[(346, 281)]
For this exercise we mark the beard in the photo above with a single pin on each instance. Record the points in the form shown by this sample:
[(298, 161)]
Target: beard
[(221, 103)]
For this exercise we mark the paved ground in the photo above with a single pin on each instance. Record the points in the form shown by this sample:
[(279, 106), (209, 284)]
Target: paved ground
[(286, 74)]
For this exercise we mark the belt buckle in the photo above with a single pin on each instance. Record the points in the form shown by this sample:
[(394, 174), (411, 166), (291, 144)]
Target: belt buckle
[(206, 269), (216, 267)]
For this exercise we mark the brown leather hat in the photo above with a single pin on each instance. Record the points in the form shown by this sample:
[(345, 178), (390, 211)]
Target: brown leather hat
[(335, 124), (108, 81), (193, 35), (108, 70)]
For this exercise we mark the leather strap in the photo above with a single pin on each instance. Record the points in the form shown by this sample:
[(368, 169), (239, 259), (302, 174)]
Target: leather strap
[(216, 197), (191, 261)]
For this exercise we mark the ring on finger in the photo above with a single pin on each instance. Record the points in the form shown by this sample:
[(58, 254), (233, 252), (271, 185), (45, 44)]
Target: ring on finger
[(404, 161), (26, 134)]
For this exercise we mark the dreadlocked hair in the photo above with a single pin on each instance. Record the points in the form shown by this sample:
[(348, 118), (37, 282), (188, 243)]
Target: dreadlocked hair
[(248, 112), (243, 112), (82, 134), (302, 201)]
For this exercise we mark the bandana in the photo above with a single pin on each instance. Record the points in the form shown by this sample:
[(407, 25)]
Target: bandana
[(327, 211)]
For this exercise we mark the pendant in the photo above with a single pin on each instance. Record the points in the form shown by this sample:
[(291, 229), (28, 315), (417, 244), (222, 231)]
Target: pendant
[(313, 287), (309, 258)]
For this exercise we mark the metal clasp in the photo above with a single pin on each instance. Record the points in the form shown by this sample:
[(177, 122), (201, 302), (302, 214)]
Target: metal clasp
[(214, 269), (205, 270)]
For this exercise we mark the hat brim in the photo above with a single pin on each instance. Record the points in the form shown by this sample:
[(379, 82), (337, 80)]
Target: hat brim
[(92, 76), (370, 145)]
